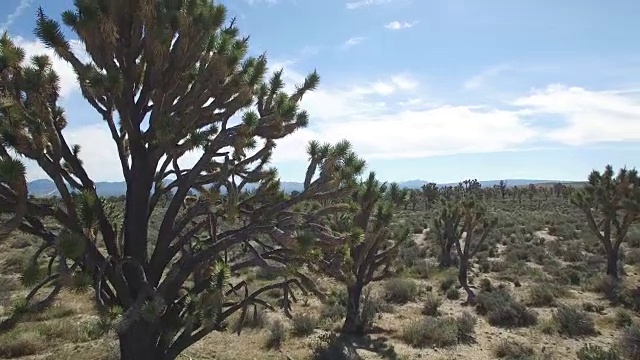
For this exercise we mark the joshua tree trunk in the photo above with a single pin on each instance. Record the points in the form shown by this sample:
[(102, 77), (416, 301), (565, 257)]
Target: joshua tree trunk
[(445, 256), (353, 322), (463, 278), (612, 263), (137, 342)]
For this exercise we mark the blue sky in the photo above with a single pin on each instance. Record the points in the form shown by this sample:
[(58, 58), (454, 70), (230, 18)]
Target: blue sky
[(439, 90)]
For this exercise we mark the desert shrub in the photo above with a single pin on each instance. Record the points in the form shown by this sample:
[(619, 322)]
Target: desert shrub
[(592, 307), (21, 344), (333, 311), (633, 237), (436, 332), (485, 265), (255, 318), (515, 315), (623, 318), (275, 294), (70, 331), (615, 291), (21, 242), (8, 284), (595, 352), (370, 306), (453, 294), (15, 262), (446, 283), (632, 256), (499, 266), (400, 290), (630, 298), (335, 307), (466, 327), (513, 350), (573, 322), (548, 326), (502, 310), (439, 332), (409, 254), (329, 346), (573, 276), (423, 268), (606, 285), (264, 273), (276, 335), (629, 342), (431, 305), (541, 295), (525, 252), (485, 285), (303, 324)]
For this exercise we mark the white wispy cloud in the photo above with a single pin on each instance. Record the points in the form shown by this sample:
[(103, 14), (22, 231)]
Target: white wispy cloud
[(414, 126), (353, 42), (22, 6), (352, 5), (591, 116), (68, 78), (268, 2), (397, 25), (480, 79)]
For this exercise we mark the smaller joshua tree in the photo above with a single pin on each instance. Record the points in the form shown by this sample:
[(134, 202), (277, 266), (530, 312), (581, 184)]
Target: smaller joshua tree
[(447, 229), (465, 224), (430, 194), (611, 204), (477, 225), (369, 247)]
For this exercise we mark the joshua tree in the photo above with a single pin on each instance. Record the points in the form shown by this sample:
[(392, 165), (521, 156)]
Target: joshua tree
[(167, 78), (611, 204), (370, 248), (558, 189), (476, 225), (430, 194), (471, 187), (447, 229), (502, 186), (517, 193), (397, 195), (413, 198), (462, 219), (531, 193)]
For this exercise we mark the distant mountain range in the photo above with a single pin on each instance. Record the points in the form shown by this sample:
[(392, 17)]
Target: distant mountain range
[(46, 188)]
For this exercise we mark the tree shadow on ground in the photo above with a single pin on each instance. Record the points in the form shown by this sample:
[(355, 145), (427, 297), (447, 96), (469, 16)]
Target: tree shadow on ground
[(345, 347)]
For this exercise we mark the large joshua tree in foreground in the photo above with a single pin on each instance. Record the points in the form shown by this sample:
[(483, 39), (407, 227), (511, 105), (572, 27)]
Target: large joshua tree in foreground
[(166, 78), (611, 204), (369, 250)]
